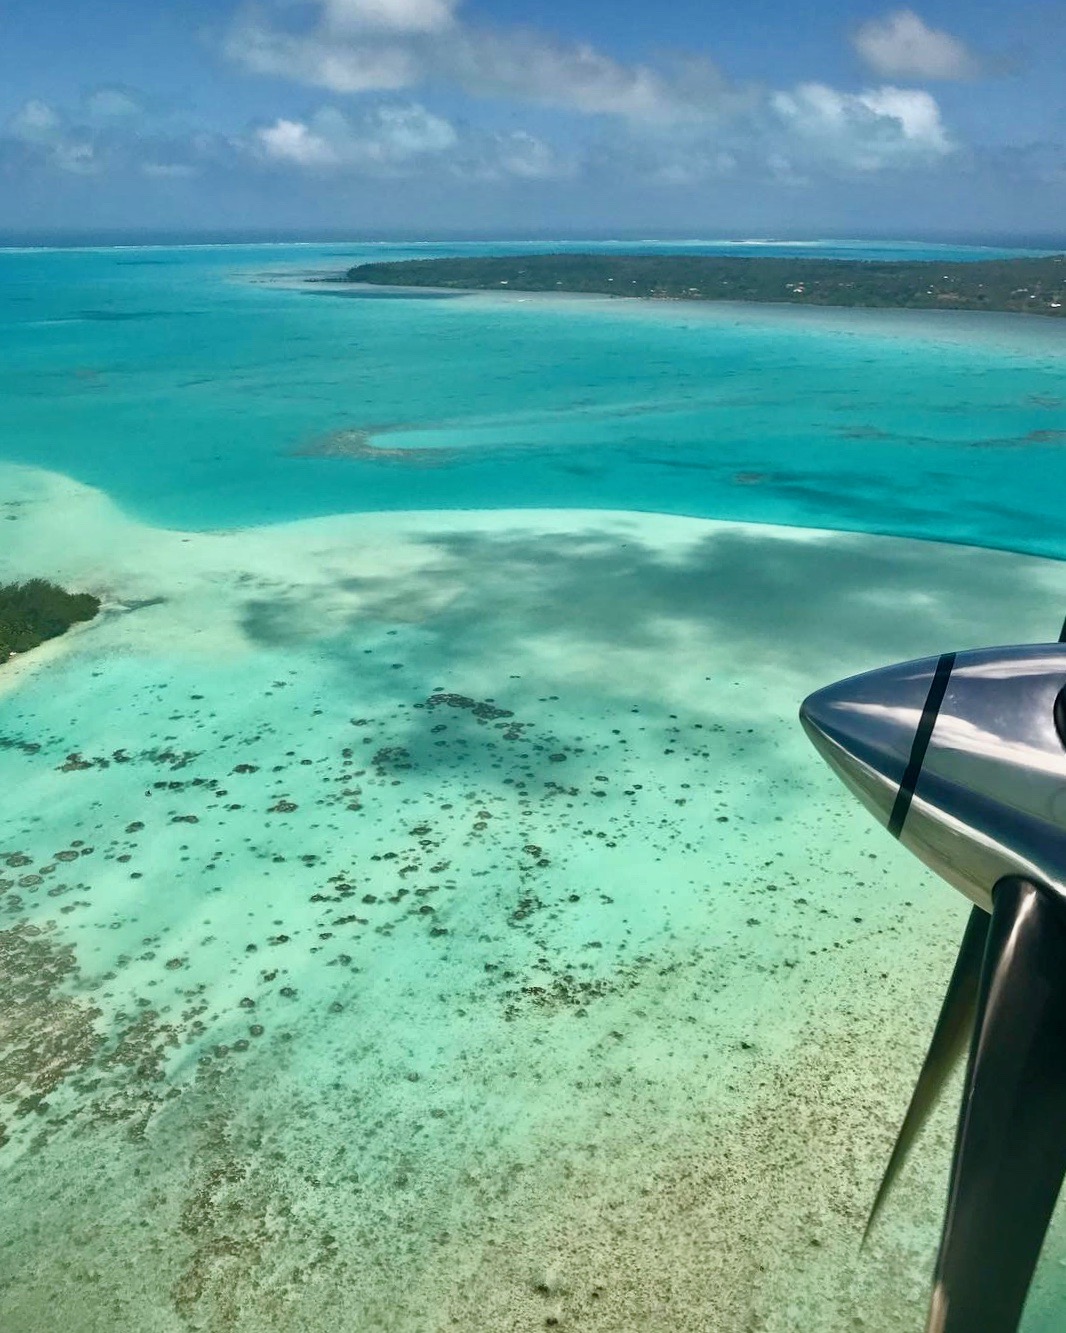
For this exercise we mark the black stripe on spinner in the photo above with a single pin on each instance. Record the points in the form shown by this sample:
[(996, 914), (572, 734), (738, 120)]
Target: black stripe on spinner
[(933, 700)]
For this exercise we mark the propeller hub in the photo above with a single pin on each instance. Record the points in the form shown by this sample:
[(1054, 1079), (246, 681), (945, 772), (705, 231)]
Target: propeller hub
[(961, 757)]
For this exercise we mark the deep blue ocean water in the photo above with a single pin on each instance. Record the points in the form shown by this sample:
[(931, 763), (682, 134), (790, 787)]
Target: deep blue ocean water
[(197, 396)]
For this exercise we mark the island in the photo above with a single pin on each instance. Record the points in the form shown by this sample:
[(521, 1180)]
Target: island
[(1034, 286), (37, 610)]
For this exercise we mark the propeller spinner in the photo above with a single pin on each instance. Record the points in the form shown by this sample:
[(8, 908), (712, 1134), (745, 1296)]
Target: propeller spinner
[(963, 758)]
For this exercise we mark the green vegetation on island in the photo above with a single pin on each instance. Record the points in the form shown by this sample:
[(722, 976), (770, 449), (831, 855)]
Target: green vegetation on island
[(37, 610), (1028, 286)]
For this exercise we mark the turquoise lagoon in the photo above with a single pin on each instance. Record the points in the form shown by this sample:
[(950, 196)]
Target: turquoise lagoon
[(418, 909), (186, 392)]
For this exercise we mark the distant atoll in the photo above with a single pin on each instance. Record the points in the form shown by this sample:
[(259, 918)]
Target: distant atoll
[(1027, 285), (32, 612)]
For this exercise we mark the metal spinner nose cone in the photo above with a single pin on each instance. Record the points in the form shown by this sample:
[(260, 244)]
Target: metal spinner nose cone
[(866, 727)]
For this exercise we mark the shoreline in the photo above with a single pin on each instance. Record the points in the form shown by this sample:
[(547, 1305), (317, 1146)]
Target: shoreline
[(1022, 285), (955, 327), (191, 561)]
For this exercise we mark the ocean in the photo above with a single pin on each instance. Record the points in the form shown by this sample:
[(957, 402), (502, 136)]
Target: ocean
[(419, 908)]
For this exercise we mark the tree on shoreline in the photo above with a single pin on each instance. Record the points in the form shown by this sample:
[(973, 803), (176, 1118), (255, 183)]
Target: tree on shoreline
[(37, 610), (1033, 285)]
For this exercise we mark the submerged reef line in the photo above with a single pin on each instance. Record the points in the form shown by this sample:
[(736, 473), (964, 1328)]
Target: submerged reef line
[(364, 444)]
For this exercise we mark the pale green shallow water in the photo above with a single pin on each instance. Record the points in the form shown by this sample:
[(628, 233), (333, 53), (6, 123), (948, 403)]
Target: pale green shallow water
[(600, 1011)]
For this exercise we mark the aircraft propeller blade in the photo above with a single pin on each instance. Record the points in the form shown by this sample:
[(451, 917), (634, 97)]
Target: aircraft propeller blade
[(951, 1037), (1010, 1151)]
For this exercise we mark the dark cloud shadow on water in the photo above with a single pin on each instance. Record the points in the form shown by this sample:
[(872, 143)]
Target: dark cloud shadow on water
[(807, 602)]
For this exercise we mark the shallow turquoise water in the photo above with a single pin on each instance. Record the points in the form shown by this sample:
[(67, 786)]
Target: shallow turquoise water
[(456, 929), (186, 392)]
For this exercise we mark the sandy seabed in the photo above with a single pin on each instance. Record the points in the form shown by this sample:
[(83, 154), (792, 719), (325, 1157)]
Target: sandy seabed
[(439, 921)]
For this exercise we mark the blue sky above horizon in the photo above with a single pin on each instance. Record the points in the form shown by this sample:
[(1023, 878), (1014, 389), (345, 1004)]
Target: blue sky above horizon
[(444, 115)]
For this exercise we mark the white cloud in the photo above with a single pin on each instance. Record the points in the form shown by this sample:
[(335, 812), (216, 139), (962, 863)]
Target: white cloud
[(867, 131), (169, 170), (524, 155), (917, 114), (383, 139), (418, 41), (701, 125), (112, 104), (108, 130), (389, 15), (79, 159), (397, 140), (44, 131), (527, 66), (293, 141), (401, 132), (323, 59), (902, 46), (36, 122), (672, 124)]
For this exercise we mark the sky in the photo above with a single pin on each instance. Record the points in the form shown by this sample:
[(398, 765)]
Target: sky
[(479, 117)]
